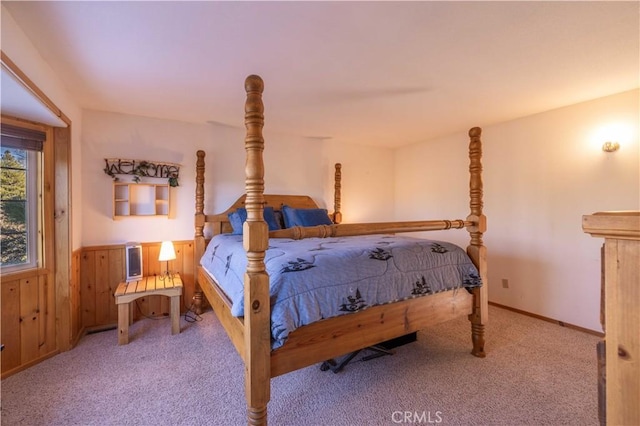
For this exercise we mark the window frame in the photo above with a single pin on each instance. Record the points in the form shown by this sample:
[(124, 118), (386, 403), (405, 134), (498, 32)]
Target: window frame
[(35, 203)]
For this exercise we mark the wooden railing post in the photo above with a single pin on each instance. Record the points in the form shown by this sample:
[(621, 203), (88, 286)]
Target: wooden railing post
[(257, 310)]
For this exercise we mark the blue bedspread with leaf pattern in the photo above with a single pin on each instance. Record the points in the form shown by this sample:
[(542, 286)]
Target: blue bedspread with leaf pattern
[(317, 278)]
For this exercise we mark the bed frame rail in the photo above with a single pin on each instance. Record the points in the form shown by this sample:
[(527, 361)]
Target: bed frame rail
[(347, 229), (333, 337)]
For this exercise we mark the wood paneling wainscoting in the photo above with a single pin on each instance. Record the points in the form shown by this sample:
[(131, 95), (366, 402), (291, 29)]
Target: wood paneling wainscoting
[(29, 300), (102, 268), (74, 298), (28, 319)]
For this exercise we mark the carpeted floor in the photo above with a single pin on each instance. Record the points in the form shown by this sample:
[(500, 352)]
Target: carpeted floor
[(535, 373)]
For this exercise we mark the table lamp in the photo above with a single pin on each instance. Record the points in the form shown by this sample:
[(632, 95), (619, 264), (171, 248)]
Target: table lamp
[(167, 253)]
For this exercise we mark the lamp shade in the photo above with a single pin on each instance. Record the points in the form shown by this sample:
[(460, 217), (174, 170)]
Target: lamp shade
[(167, 252)]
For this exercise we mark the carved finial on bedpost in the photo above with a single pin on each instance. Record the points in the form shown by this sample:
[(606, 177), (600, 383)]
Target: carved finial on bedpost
[(254, 146), (337, 194), (257, 315), (475, 187), (476, 250)]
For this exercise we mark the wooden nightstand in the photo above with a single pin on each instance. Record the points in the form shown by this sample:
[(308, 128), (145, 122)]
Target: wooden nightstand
[(170, 286)]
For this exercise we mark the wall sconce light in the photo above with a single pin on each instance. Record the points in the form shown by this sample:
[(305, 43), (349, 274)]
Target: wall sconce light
[(167, 253), (610, 146)]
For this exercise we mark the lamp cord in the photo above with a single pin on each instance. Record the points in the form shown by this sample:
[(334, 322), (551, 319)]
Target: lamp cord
[(190, 314), (148, 316)]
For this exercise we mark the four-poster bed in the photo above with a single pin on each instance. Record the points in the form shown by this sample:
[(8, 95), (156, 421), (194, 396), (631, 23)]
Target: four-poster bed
[(334, 336)]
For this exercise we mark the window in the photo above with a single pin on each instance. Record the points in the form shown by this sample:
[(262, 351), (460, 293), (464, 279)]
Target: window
[(20, 198)]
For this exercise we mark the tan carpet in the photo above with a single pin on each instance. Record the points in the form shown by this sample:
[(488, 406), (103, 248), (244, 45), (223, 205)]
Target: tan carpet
[(536, 373)]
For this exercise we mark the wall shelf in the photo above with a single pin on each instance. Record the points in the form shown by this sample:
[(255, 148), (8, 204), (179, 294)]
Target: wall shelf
[(140, 199)]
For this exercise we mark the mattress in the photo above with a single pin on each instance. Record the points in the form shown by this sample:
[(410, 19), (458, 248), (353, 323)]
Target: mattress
[(317, 278)]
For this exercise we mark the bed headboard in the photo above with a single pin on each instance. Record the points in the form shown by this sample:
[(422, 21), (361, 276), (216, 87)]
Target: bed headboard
[(219, 222)]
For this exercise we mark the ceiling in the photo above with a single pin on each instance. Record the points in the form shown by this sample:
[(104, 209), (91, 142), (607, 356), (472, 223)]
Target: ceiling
[(372, 73), (18, 100)]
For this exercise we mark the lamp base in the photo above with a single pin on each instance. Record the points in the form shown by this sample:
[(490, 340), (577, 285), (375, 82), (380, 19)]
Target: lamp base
[(166, 276)]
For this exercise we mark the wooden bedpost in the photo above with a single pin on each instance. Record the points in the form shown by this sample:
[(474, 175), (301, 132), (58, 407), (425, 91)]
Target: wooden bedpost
[(337, 194), (257, 309), (476, 250), (199, 221)]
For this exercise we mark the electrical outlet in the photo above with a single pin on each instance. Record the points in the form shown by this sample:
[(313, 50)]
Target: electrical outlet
[(505, 283)]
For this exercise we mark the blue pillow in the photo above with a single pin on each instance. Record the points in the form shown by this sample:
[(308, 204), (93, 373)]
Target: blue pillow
[(237, 220), (239, 217), (305, 217)]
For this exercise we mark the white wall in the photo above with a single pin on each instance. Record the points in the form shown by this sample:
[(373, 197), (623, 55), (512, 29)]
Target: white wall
[(293, 165), (367, 181), (541, 174), (17, 46)]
